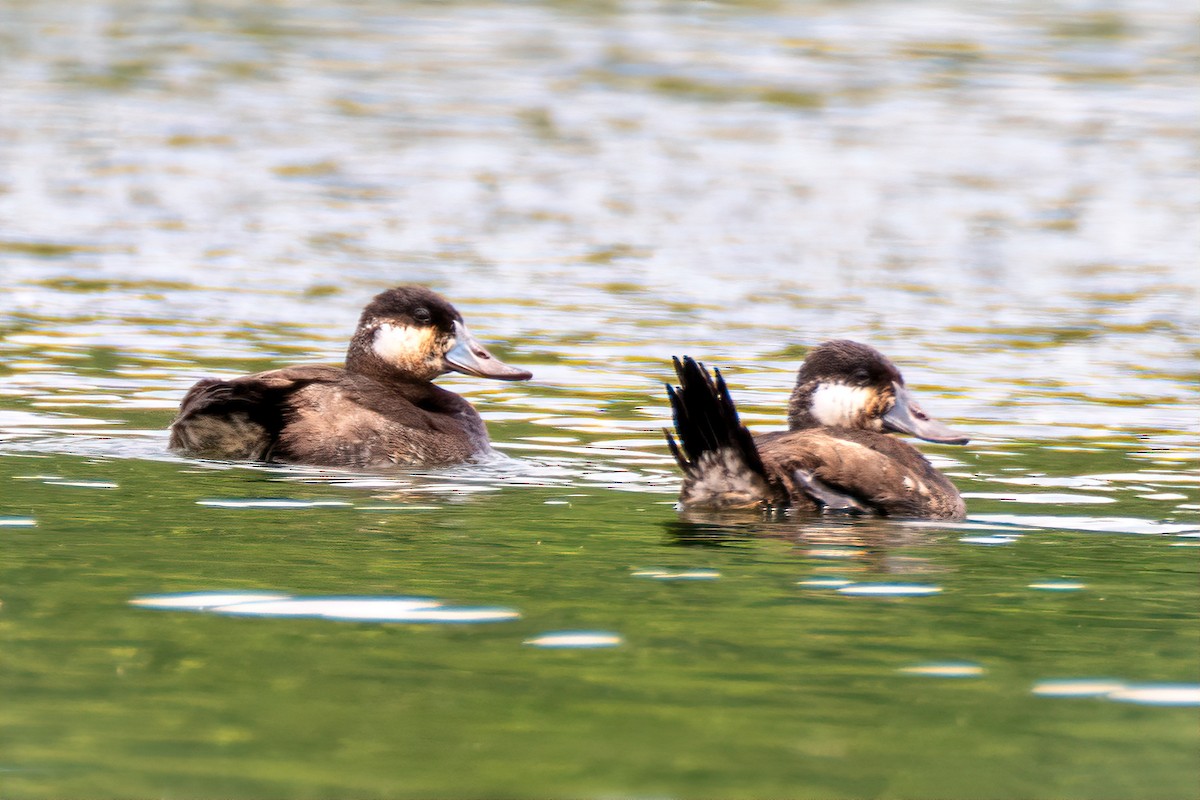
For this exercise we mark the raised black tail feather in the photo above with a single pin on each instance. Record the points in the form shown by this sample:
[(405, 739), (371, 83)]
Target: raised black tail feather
[(706, 418), (672, 446)]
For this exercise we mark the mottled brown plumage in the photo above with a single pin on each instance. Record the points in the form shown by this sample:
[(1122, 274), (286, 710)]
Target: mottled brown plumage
[(837, 454), (380, 409)]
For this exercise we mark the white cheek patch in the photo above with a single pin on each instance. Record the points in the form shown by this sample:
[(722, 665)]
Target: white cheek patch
[(840, 405), (402, 344)]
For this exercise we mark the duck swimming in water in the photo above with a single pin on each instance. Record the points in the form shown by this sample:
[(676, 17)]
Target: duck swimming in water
[(837, 454), (380, 409)]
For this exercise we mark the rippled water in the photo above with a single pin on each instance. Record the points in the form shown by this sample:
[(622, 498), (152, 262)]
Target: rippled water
[(1002, 198)]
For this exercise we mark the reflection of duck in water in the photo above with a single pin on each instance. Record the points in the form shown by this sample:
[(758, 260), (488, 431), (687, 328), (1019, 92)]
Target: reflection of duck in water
[(836, 453), (380, 409)]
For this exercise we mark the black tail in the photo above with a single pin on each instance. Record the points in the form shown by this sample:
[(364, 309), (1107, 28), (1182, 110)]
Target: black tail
[(706, 420)]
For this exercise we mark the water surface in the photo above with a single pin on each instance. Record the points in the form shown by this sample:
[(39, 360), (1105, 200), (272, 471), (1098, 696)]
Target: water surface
[(1002, 198)]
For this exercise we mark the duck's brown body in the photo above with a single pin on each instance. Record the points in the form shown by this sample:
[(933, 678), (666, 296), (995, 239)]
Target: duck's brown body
[(381, 409), (324, 415), (882, 473)]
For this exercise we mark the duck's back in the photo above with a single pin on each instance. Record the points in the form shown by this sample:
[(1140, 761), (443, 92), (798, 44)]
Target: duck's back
[(327, 416), (878, 471)]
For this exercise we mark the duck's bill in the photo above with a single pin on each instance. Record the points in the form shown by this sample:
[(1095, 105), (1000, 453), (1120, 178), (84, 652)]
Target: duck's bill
[(906, 416), (470, 357)]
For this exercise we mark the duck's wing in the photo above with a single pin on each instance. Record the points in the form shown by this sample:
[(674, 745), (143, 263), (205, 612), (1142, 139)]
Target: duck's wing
[(860, 471), (721, 465), (241, 418)]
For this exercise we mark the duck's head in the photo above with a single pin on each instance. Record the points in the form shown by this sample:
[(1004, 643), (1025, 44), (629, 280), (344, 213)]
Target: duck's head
[(415, 333), (851, 385)]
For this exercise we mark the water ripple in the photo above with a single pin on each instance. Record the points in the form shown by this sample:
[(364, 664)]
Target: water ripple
[(363, 609), (575, 640), (1097, 524)]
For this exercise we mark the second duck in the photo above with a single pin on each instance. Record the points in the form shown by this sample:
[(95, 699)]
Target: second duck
[(836, 454)]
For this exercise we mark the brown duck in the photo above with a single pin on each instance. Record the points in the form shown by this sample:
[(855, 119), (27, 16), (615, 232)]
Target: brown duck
[(380, 409), (837, 454)]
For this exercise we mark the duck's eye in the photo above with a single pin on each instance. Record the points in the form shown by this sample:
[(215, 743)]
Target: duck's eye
[(421, 314)]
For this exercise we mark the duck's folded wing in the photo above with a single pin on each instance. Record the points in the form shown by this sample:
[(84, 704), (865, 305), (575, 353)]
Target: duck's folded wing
[(859, 471), (240, 418)]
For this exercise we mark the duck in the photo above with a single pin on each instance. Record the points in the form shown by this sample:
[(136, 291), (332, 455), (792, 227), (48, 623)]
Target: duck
[(838, 455), (380, 409)]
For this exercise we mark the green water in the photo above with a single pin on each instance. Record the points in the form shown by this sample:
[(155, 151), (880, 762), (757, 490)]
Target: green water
[(746, 684), (1002, 198)]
